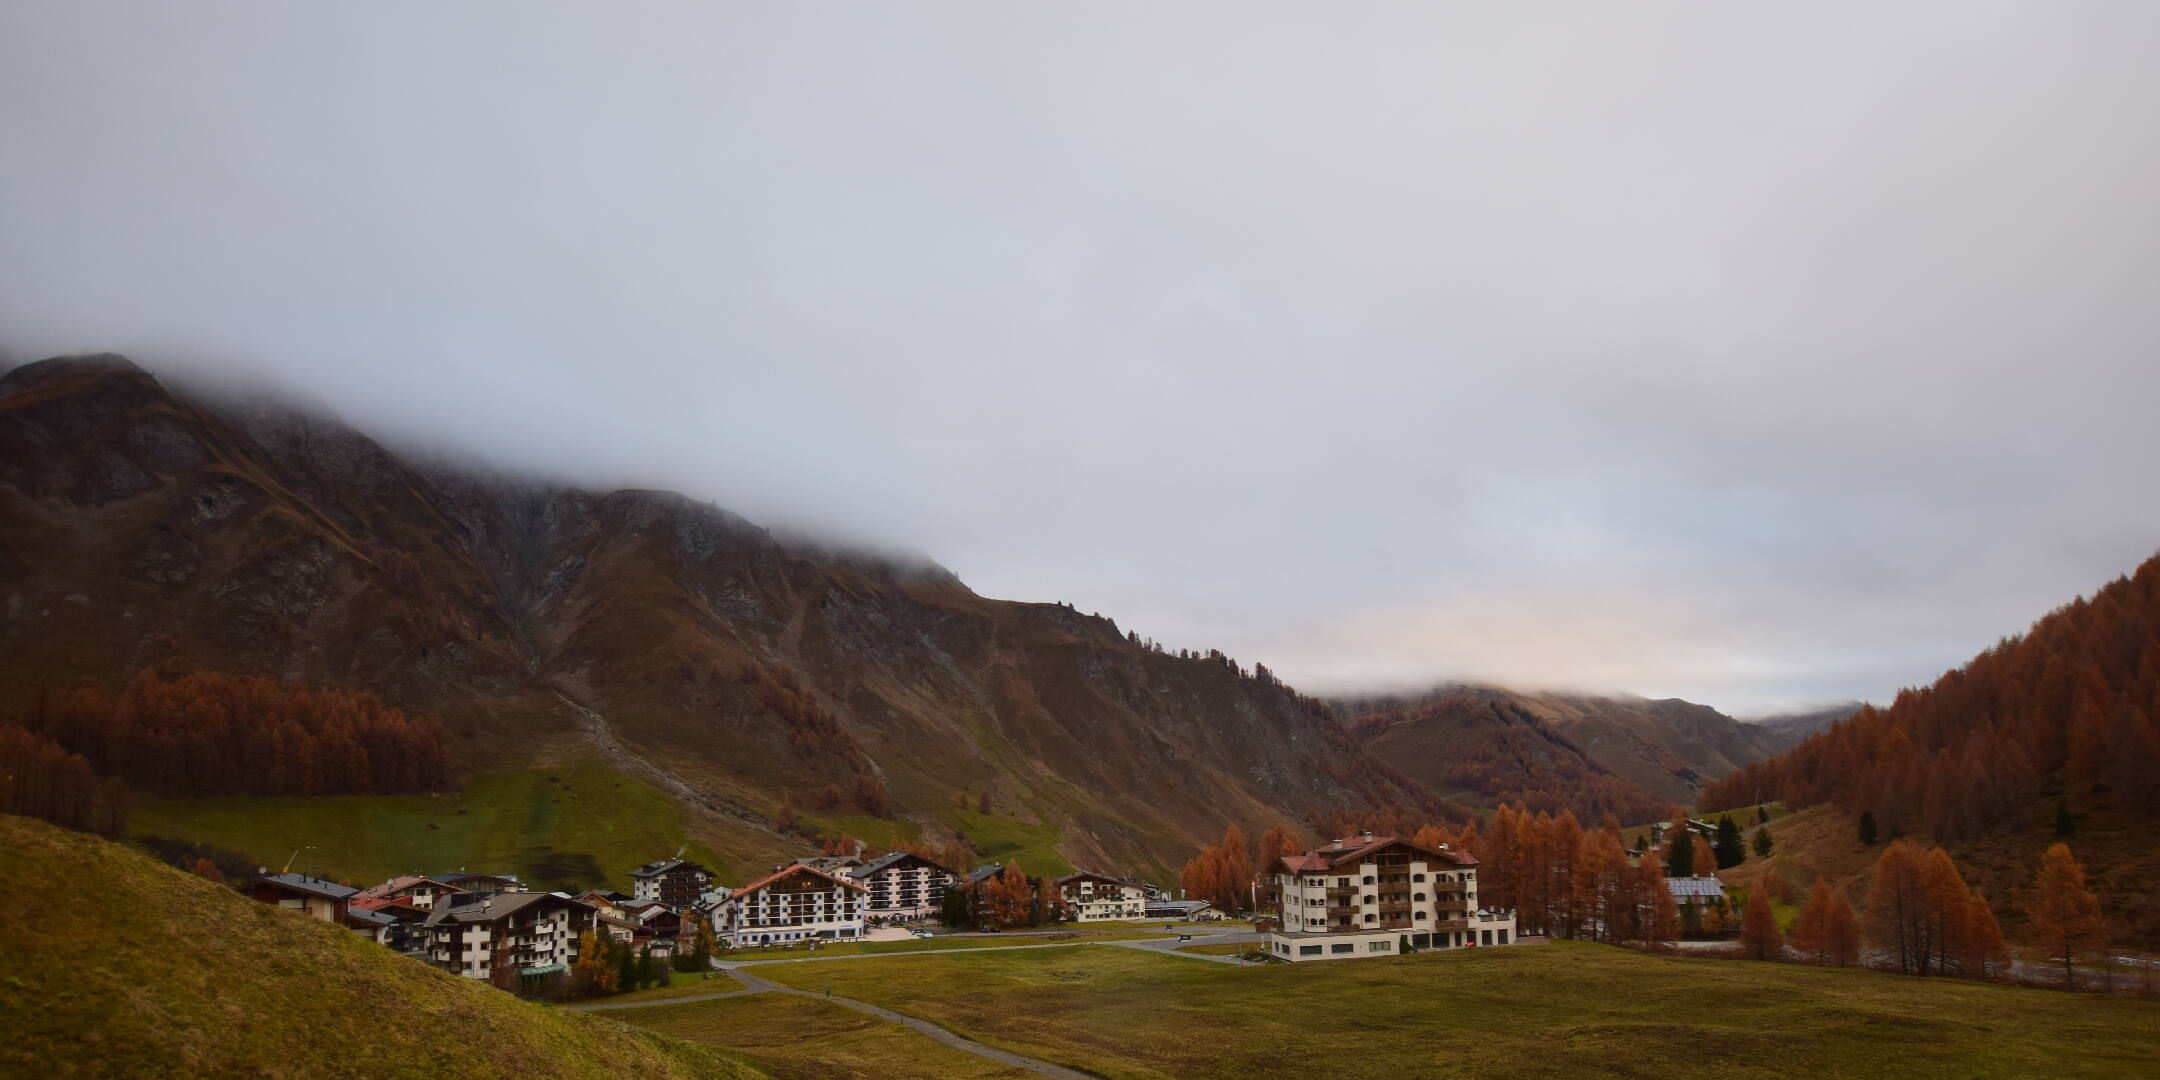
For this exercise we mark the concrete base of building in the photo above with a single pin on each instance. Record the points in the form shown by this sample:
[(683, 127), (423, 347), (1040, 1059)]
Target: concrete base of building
[(1353, 944)]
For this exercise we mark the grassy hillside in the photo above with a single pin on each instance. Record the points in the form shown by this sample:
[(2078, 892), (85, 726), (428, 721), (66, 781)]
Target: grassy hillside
[(117, 965), (570, 827), (1534, 1011)]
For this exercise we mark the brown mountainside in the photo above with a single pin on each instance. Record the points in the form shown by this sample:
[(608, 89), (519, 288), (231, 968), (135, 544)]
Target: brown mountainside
[(2051, 734), (1631, 757), (140, 527)]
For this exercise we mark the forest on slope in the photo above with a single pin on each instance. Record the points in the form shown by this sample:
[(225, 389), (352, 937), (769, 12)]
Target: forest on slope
[(2054, 733), (781, 690)]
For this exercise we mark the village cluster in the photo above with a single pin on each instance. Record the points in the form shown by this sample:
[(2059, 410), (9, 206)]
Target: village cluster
[(479, 924), (1364, 895)]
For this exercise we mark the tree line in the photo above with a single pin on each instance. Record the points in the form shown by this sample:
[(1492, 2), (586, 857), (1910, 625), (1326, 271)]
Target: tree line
[(2071, 708), (211, 733)]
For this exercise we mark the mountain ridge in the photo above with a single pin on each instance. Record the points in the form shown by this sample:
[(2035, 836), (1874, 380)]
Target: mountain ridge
[(141, 528)]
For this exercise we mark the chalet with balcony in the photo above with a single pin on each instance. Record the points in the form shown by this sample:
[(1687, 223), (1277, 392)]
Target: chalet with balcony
[(901, 886), (1100, 898), (535, 933), (794, 903), (673, 882), (1369, 895)]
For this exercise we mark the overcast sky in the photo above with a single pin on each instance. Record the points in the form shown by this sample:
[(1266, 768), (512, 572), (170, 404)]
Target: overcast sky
[(1764, 355)]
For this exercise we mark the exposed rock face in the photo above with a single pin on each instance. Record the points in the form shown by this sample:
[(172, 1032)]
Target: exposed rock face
[(251, 538)]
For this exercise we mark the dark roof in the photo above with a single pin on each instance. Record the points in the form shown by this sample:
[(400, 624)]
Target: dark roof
[(1089, 875), (369, 916), (655, 869), (890, 858), (500, 906), (475, 875), (983, 873), (308, 883)]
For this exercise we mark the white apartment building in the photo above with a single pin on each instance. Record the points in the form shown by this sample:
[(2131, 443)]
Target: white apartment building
[(535, 932), (1380, 896), (1097, 898), (794, 903), (902, 885)]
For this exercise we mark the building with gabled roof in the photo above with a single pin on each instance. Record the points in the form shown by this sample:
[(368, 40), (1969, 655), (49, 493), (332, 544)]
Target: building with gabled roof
[(902, 885), (1370, 895), (1092, 897), (793, 903), (317, 898), (424, 891), (537, 933)]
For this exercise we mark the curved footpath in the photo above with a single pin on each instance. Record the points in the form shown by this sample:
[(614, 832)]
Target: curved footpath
[(751, 984)]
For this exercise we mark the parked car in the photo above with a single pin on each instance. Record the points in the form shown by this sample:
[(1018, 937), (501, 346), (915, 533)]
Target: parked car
[(990, 928)]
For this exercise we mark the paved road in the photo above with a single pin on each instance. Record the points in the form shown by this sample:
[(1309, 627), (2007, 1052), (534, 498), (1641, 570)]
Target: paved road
[(1169, 945)]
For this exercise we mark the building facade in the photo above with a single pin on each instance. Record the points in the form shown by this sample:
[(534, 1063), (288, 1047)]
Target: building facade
[(902, 885), (792, 904), (307, 894), (1098, 897), (670, 881), (535, 933), (1380, 896)]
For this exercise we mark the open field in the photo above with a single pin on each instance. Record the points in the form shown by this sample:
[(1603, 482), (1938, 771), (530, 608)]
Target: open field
[(569, 828), (1521, 1012), (158, 973), (789, 1037)]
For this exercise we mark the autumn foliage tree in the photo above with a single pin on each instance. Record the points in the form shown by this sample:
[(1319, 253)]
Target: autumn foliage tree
[(2073, 703), (216, 734), (1923, 916), (1759, 937), (1008, 898), (2065, 915), (1222, 874), (1826, 931), (41, 779)]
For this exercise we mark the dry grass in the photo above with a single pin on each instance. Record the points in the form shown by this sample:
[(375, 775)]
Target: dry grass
[(117, 965)]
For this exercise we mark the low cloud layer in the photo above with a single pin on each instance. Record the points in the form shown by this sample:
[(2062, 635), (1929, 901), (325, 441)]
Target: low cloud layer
[(1758, 357)]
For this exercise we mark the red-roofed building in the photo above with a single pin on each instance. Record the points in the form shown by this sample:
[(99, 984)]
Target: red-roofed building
[(1369, 895), (791, 904)]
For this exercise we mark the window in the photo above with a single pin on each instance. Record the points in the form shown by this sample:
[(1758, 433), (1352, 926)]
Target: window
[(1423, 914), (1419, 878), (1308, 950), (1503, 937), (1488, 938), (1379, 946), (1343, 947)]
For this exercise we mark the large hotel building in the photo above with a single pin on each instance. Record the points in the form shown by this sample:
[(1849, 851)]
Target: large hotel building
[(1369, 895)]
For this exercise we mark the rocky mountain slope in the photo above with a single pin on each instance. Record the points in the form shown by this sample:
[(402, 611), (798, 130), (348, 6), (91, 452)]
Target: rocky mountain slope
[(1632, 757), (753, 679)]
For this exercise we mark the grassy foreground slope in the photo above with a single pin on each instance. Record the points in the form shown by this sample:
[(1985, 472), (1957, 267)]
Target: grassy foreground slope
[(572, 827), (1565, 1009), (117, 965)]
